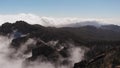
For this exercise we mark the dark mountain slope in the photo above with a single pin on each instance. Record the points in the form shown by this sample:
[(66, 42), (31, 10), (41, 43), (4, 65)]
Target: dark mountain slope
[(92, 33), (111, 27), (97, 40), (86, 32)]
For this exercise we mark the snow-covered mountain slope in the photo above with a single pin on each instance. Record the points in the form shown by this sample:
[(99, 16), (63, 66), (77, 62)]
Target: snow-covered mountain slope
[(53, 21)]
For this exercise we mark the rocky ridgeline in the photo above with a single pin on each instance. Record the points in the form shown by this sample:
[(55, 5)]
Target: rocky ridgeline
[(51, 44)]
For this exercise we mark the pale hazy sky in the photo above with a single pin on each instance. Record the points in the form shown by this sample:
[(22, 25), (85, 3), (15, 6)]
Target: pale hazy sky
[(107, 11), (63, 8)]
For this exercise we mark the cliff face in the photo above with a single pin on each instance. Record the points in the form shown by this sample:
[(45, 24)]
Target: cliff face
[(96, 47)]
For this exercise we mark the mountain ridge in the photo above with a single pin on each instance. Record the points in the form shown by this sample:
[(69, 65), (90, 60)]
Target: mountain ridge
[(51, 21), (60, 45), (86, 32)]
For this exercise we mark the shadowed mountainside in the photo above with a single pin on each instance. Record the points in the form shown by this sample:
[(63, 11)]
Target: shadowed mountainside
[(103, 40)]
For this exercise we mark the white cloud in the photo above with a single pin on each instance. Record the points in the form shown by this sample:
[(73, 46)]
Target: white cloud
[(53, 21)]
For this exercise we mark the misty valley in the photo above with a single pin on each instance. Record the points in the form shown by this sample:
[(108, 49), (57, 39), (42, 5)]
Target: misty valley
[(24, 45)]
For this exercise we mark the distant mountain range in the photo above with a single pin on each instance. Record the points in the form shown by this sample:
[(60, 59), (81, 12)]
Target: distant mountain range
[(55, 21), (55, 45), (87, 31)]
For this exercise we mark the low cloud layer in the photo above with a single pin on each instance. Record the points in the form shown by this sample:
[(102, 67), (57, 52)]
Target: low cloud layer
[(53, 21), (12, 58)]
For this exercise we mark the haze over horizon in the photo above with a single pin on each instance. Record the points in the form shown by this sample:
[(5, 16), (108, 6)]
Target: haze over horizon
[(104, 11), (55, 21)]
